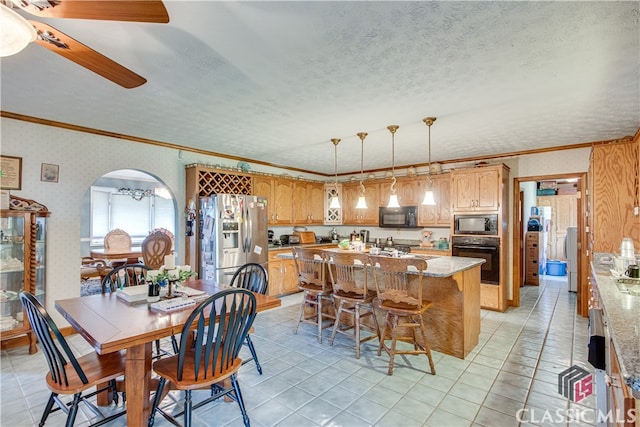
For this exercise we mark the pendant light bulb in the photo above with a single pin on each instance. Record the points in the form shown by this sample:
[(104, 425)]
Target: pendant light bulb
[(429, 198), (362, 201), (335, 198), (393, 197)]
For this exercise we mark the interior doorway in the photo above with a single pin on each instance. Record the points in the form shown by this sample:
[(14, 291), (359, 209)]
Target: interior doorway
[(561, 205)]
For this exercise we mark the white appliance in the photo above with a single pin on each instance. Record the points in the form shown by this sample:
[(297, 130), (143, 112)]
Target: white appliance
[(571, 254), (233, 233)]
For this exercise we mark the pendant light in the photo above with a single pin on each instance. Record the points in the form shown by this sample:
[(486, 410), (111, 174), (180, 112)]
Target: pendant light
[(335, 200), (393, 197), (362, 202), (429, 199)]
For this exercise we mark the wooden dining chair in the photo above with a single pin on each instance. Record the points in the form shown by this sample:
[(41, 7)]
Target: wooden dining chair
[(210, 356), (131, 275), (349, 274), (401, 300), (124, 276), (310, 267), (117, 240), (252, 277), (154, 248), (71, 375)]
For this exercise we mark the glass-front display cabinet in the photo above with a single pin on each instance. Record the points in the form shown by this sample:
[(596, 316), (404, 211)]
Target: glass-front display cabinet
[(23, 231)]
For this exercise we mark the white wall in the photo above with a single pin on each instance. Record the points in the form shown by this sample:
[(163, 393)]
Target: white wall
[(83, 158)]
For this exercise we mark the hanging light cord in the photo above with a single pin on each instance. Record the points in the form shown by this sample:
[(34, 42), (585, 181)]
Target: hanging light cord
[(362, 136), (429, 121), (393, 129), (335, 141)]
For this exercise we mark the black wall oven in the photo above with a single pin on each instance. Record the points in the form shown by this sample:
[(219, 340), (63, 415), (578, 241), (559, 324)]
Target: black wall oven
[(487, 248)]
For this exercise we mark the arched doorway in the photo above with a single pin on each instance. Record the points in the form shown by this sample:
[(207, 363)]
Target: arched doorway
[(127, 199)]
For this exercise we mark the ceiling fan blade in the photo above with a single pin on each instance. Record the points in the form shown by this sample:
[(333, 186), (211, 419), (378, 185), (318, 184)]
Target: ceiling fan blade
[(60, 43), (108, 10)]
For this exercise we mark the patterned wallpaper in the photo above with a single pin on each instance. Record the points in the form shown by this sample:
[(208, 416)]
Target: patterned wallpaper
[(83, 158)]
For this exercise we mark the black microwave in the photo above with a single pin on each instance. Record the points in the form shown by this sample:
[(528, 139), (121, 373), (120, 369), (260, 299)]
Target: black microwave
[(402, 217), (476, 224)]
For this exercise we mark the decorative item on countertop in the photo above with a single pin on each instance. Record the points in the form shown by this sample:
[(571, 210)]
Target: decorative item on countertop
[(426, 239)]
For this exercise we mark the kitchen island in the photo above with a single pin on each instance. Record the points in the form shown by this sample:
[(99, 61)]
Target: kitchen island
[(452, 284)]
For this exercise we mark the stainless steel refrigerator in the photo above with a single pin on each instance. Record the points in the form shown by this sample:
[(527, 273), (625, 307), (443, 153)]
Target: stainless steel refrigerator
[(234, 232), (571, 254)]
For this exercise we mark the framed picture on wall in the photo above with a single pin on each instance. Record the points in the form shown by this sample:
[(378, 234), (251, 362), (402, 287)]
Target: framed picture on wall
[(10, 173), (49, 172)]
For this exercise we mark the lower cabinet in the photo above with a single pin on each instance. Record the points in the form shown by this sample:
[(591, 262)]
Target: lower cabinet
[(282, 274), (619, 399)]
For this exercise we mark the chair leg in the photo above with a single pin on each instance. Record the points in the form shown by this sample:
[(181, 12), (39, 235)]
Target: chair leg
[(236, 389), (156, 401), (47, 409), (394, 338), (356, 324), (304, 302), (253, 354), (383, 334), (174, 344), (73, 411), (187, 408), (319, 319), (336, 324), (427, 347)]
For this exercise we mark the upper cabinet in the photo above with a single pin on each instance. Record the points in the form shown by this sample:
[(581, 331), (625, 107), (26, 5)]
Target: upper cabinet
[(613, 193), (406, 190), (308, 202), (332, 216), (279, 193), (477, 189), (440, 214), (350, 194)]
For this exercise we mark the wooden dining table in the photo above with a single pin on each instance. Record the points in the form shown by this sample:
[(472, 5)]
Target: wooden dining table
[(132, 255), (110, 324)]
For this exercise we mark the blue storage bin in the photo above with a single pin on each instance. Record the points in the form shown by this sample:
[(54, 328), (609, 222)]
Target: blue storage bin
[(556, 268)]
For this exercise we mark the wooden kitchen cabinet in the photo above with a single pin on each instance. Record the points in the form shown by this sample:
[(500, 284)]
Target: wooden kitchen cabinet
[(477, 189), (350, 194), (612, 193), (283, 278), (406, 190), (279, 194), (620, 401), (440, 214), (308, 202)]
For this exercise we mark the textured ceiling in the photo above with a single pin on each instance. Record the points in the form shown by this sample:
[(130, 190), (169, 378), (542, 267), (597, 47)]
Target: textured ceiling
[(275, 81)]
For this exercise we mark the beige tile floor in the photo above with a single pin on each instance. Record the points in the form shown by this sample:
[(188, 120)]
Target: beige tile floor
[(513, 370)]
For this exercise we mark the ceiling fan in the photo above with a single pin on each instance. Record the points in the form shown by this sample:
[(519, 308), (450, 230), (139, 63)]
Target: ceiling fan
[(152, 11)]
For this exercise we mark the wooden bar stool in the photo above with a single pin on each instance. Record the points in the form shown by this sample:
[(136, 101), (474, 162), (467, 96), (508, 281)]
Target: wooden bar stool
[(311, 267), (349, 273), (402, 301)]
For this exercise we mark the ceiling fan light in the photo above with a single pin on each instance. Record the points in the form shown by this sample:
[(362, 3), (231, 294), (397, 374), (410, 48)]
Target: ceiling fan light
[(429, 199), (335, 202), (362, 203), (16, 32), (393, 201)]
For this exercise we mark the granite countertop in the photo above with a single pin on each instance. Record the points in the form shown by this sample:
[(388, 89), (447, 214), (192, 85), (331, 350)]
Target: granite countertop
[(622, 312), (437, 266)]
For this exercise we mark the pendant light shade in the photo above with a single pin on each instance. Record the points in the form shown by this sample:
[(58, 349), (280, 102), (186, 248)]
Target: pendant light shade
[(393, 197), (362, 202), (335, 198), (429, 199), (15, 32)]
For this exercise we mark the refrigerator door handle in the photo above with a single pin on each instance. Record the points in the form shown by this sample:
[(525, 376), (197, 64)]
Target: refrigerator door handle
[(564, 249), (249, 228)]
